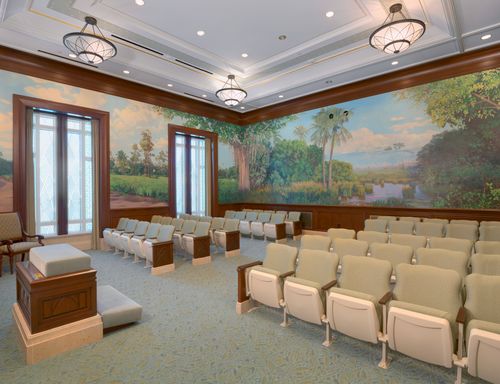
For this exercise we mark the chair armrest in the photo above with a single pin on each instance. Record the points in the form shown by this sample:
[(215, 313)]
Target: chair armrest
[(39, 237), (245, 266), (461, 315), (159, 244), (329, 285), (286, 274), (6, 242), (386, 298)]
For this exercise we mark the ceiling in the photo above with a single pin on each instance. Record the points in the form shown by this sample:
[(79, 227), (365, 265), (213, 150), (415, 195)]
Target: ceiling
[(158, 42)]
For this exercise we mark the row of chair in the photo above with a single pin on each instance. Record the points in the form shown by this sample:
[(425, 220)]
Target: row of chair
[(263, 224), (415, 219), (461, 229), (422, 317)]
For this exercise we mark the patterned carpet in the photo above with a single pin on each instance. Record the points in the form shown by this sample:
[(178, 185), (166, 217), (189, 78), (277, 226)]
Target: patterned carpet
[(190, 333)]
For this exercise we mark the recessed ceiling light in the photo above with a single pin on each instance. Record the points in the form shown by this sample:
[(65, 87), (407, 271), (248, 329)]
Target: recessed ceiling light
[(203, 95), (330, 14), (242, 107), (282, 37), (139, 2), (281, 96), (486, 37), (200, 33), (395, 62), (244, 55), (125, 71), (329, 81), (170, 85), (72, 55)]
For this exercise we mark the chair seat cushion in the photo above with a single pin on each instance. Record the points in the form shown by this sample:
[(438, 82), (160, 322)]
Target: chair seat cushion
[(115, 308), (260, 268), (22, 246), (58, 259), (362, 296), (483, 325), (307, 283)]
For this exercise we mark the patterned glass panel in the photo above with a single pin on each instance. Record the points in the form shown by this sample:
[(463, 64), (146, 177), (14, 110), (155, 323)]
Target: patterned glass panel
[(74, 165), (198, 175), (180, 173)]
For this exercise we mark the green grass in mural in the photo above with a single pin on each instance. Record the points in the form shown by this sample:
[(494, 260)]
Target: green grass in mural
[(155, 187), (395, 175)]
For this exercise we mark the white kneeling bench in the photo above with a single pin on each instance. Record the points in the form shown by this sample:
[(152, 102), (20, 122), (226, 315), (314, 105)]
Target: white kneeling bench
[(115, 308), (59, 259)]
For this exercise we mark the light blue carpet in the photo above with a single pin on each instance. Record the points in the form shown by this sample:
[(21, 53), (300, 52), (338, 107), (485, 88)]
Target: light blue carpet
[(190, 333)]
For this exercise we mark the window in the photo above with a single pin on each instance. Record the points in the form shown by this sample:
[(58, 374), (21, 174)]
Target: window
[(62, 169)]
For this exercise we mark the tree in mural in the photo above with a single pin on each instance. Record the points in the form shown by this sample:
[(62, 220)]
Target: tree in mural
[(244, 140), (147, 146), (121, 162), (300, 131), (135, 160), (162, 163), (320, 136)]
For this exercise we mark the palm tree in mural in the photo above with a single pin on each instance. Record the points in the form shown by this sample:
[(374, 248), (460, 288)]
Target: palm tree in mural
[(300, 131), (338, 134), (320, 135)]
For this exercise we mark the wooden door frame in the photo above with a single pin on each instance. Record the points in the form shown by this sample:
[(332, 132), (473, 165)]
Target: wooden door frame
[(172, 130), (20, 104)]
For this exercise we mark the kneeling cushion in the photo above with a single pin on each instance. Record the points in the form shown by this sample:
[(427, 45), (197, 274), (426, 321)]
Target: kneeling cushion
[(115, 308)]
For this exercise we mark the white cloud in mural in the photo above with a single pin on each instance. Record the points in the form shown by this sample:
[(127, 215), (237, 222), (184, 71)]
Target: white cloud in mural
[(6, 135), (397, 118), (417, 123), (67, 94), (5, 101)]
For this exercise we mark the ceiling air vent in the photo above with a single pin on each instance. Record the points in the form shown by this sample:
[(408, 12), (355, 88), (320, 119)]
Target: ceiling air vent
[(194, 66), (136, 44), (67, 58)]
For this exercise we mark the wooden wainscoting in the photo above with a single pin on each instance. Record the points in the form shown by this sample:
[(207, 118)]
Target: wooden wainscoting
[(353, 217)]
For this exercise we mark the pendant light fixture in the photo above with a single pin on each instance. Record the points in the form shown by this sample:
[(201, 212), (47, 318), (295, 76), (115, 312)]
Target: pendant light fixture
[(231, 93), (395, 36), (90, 45)]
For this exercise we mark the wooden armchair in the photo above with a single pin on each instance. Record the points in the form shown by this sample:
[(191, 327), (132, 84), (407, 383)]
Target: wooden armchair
[(14, 240)]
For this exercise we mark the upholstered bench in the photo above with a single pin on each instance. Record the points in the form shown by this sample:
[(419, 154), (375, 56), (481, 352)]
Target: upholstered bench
[(115, 308), (59, 259)]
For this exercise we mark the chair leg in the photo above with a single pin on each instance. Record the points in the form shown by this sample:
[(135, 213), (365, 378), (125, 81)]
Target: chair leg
[(285, 322), (328, 337), (11, 261), (22, 256), (1, 265)]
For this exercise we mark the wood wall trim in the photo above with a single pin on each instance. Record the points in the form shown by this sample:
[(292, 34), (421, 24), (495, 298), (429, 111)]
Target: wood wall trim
[(33, 65), (457, 65)]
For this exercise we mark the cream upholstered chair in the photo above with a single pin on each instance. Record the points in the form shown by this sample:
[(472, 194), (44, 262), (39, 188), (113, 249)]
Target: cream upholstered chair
[(351, 247), (185, 216), (292, 223), (107, 232), (14, 240), (165, 234), (188, 240), (482, 313), (166, 220), (265, 282), (376, 225), (486, 264), (394, 253), (410, 218), (137, 242), (230, 225), (353, 306), (240, 215), (245, 225), (126, 238), (442, 258), (487, 223), (452, 244), (421, 321), (429, 229), (487, 247), (177, 223), (257, 226), (195, 218), (205, 219), (404, 227), (216, 225), (229, 214), (462, 231), (387, 218), (270, 229), (474, 223), (372, 237), (489, 233), (116, 235), (304, 293), (411, 240), (432, 220), (285, 213), (317, 242), (156, 219), (341, 233), (187, 227)]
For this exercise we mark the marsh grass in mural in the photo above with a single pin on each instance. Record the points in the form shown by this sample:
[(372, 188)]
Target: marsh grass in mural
[(6, 188)]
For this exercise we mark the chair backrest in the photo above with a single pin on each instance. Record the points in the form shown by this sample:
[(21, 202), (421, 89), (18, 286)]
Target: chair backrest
[(474, 223), (366, 275), (490, 247), (188, 226), (277, 218), (411, 240), (166, 233), (285, 212), (122, 223), (257, 210), (341, 233), (185, 216), (202, 228), (269, 211), (317, 266), (166, 220), (231, 225), (229, 214), (393, 253), (293, 216), (205, 219), (155, 219), (264, 217), (462, 245), (432, 220), (488, 223), (387, 218), (240, 215), (410, 218), (443, 258), (10, 227), (372, 237), (153, 230), (141, 228), (280, 257), (217, 223), (489, 233), (195, 218), (247, 210), (317, 242), (462, 231), (351, 247), (486, 264), (482, 291), (251, 216), (131, 224), (429, 286), (405, 227), (177, 223), (429, 229), (376, 225)]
